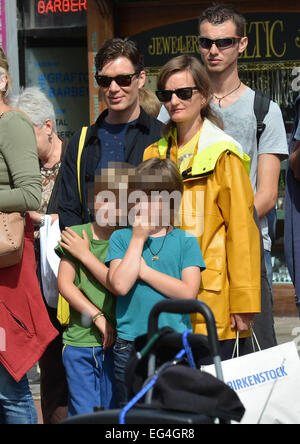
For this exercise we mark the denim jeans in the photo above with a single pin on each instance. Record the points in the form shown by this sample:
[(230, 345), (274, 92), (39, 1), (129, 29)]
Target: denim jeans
[(90, 377), (16, 402), (122, 352)]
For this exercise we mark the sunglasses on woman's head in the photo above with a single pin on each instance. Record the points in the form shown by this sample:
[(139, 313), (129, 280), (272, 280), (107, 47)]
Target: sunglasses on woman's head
[(222, 43), (121, 80), (165, 95)]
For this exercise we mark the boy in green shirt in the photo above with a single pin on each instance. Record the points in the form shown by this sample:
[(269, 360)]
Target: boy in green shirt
[(150, 260), (88, 339)]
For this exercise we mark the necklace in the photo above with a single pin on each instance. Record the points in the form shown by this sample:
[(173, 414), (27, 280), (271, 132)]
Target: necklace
[(155, 256), (221, 98)]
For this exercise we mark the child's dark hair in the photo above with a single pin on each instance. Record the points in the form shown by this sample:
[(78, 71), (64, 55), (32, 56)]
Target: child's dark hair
[(219, 13)]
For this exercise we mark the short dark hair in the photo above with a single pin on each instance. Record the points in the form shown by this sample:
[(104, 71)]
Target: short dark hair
[(115, 48), (219, 13)]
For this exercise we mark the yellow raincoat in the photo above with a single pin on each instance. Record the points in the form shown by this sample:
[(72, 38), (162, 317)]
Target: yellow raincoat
[(217, 207)]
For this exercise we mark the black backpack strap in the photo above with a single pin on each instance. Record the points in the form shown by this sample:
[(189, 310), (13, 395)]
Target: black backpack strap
[(261, 108)]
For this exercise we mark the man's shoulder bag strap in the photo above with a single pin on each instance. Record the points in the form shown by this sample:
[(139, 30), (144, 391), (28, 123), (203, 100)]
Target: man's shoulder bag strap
[(261, 108), (63, 308), (80, 149)]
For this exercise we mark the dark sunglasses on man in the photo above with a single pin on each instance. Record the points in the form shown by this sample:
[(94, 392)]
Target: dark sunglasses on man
[(222, 43), (165, 95), (122, 79)]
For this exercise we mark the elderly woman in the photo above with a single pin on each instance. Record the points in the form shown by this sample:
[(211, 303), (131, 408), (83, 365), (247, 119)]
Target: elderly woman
[(39, 109), (23, 317), (34, 103), (217, 199)]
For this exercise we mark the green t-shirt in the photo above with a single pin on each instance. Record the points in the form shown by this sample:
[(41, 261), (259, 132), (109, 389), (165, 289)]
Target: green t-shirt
[(81, 332)]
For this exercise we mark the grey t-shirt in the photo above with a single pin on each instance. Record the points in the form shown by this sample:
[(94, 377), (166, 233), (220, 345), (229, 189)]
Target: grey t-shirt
[(240, 123)]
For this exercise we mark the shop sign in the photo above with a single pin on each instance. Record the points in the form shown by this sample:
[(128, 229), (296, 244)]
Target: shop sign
[(2, 25), (60, 73), (271, 38), (62, 13), (60, 6)]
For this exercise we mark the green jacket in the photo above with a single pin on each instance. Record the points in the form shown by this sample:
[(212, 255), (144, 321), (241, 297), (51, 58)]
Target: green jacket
[(20, 177)]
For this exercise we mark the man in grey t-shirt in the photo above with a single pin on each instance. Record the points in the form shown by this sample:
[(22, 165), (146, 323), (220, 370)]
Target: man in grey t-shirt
[(273, 142), (221, 42)]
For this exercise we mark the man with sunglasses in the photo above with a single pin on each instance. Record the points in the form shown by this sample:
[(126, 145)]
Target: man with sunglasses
[(221, 42), (120, 134)]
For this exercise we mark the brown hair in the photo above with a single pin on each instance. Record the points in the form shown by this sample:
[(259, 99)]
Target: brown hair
[(158, 175), (161, 176), (5, 69), (219, 13), (201, 79), (149, 102), (115, 48)]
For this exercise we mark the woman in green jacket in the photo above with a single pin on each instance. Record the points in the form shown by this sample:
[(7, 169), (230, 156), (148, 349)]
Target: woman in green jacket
[(25, 328)]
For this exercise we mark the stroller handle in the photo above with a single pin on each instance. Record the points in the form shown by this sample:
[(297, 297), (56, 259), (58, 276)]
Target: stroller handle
[(186, 307)]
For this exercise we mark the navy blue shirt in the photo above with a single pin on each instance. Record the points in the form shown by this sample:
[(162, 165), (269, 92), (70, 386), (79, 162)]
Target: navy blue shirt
[(112, 138)]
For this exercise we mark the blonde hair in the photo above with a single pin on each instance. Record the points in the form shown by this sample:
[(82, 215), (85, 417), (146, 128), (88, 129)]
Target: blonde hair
[(201, 79), (4, 69), (149, 102)]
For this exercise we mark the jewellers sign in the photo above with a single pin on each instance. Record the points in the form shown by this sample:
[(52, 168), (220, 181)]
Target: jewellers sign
[(271, 38)]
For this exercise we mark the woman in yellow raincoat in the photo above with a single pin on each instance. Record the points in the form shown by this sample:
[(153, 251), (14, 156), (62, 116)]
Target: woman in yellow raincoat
[(217, 204)]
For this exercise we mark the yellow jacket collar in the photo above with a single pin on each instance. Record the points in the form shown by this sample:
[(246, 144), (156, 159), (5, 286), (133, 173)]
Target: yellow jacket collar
[(212, 143), (212, 134)]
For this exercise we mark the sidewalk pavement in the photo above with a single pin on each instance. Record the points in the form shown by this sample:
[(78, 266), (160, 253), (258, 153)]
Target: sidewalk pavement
[(287, 329)]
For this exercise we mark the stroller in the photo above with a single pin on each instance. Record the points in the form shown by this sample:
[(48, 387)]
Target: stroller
[(164, 380)]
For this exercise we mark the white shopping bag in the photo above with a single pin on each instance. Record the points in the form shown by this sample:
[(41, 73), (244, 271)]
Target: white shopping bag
[(49, 236), (267, 383)]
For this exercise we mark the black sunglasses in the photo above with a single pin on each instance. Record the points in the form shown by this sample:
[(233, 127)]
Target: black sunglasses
[(165, 95), (121, 80), (225, 42)]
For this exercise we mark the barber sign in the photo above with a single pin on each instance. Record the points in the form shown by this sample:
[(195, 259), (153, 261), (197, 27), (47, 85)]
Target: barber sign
[(267, 383)]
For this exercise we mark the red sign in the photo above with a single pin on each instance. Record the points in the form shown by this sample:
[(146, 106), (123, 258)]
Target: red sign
[(2, 29), (61, 6)]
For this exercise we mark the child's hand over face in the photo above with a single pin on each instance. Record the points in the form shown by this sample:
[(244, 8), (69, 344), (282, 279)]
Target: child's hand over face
[(108, 333), (141, 228), (141, 232), (77, 246)]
